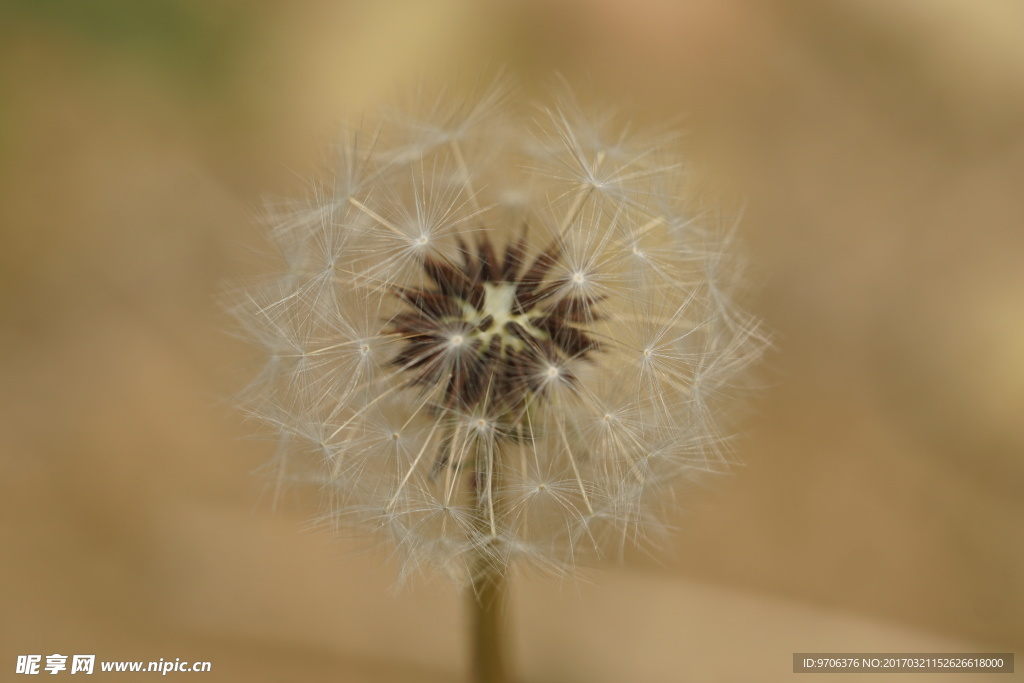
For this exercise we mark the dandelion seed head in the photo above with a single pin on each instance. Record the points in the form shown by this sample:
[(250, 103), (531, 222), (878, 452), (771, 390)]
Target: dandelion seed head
[(499, 335)]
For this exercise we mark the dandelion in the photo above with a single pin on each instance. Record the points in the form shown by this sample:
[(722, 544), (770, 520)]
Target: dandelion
[(498, 337)]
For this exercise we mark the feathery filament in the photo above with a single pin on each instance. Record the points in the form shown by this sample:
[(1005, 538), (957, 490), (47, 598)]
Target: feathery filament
[(498, 338)]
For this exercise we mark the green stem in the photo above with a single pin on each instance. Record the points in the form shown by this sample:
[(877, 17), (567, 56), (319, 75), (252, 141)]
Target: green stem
[(488, 600), (489, 595)]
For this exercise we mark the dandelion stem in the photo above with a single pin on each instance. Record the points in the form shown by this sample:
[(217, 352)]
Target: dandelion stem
[(489, 596), (487, 609)]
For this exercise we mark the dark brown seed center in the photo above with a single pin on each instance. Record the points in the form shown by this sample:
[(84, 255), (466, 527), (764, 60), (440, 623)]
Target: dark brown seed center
[(491, 332)]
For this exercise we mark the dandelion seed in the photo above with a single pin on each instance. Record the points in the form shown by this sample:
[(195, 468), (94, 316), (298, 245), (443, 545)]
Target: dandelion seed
[(495, 343)]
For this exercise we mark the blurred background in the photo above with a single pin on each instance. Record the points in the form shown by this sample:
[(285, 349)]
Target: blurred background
[(877, 150)]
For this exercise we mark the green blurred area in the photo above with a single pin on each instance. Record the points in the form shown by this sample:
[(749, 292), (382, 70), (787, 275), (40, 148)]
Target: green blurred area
[(192, 45)]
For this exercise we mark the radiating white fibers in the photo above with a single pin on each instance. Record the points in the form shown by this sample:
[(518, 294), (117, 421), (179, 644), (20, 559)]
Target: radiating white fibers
[(498, 334)]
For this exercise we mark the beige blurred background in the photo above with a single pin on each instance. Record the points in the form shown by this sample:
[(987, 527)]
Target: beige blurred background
[(877, 150)]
